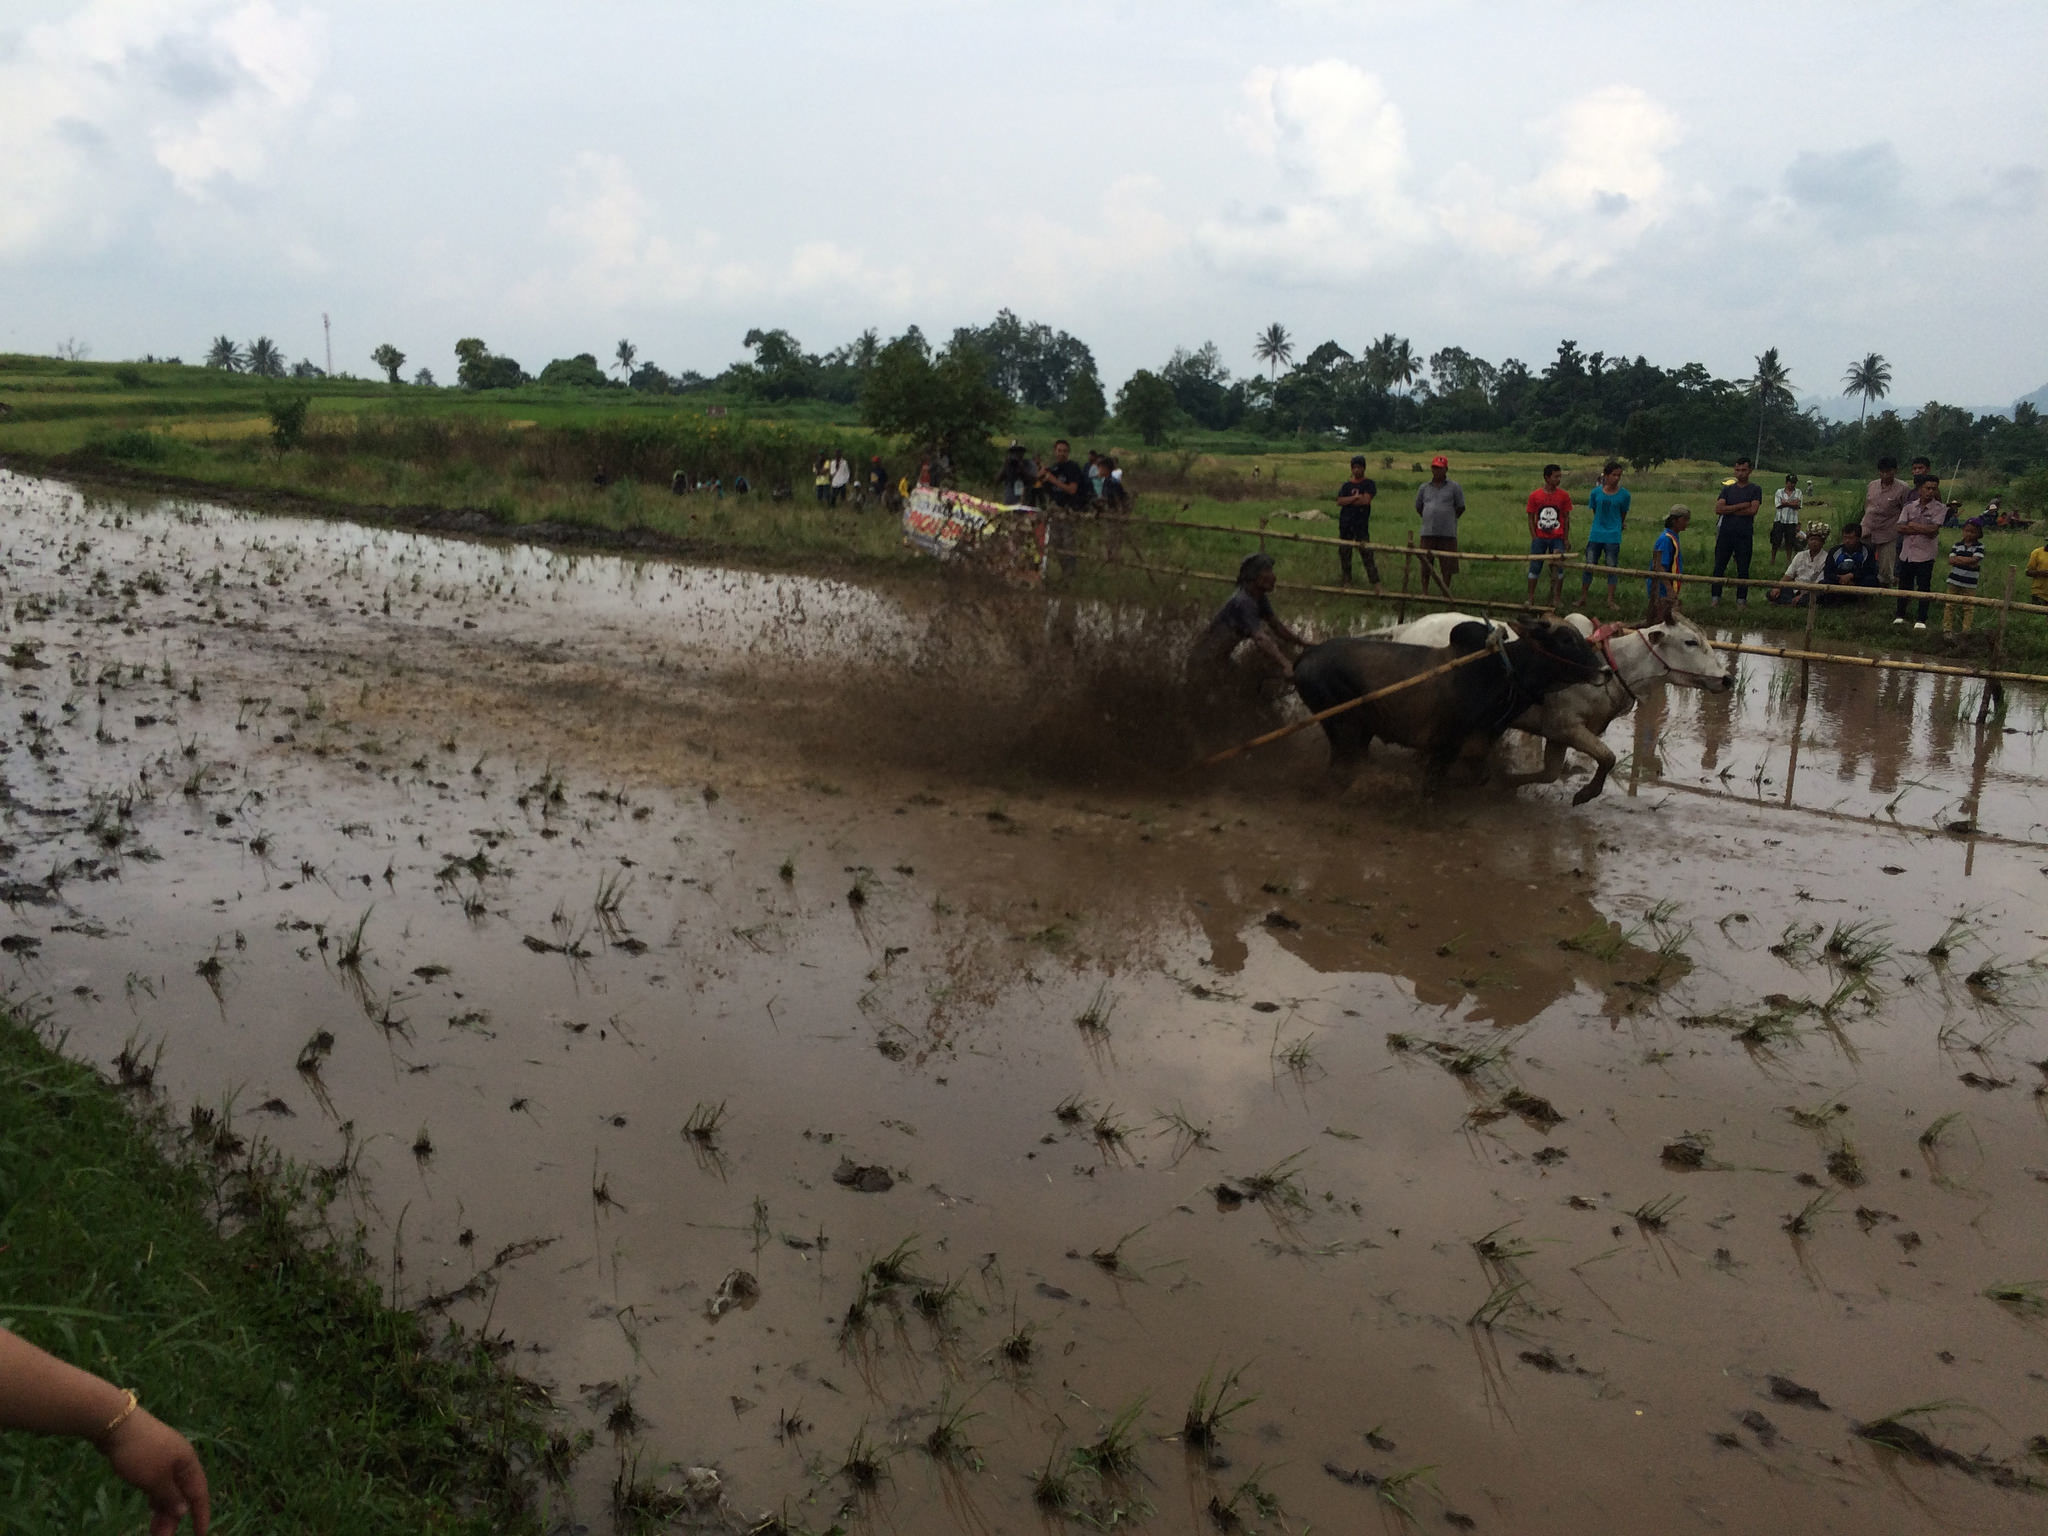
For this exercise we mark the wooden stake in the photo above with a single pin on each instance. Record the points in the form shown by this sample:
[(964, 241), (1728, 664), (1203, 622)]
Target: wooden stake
[(1492, 647), (1994, 690), (1407, 560)]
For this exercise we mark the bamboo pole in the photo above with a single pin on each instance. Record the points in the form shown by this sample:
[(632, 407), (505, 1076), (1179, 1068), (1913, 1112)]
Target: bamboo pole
[(1806, 667), (1994, 691), (1407, 560), (1262, 533), (1491, 648), (1783, 653)]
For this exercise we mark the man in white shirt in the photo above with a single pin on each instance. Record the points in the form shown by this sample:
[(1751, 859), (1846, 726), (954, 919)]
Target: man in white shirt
[(842, 476), (1809, 565), (1785, 517)]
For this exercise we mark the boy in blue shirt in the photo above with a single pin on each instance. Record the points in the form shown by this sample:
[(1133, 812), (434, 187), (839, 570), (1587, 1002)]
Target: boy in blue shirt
[(1603, 540), (1667, 556)]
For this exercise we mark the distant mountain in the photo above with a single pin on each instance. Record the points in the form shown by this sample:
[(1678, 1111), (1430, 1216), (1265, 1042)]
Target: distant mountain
[(1846, 407)]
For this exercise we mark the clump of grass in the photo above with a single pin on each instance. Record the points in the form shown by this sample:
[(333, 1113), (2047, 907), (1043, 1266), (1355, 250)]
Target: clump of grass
[(893, 1267), (1017, 1345), (935, 1302), (1937, 1129), (1394, 1488), (1797, 944), (350, 956), (1507, 1290), (948, 1441), (1212, 1406), (1957, 930), (1817, 1119), (1692, 1150), (1114, 1452), (1072, 1110), (1111, 1259), (1052, 1490), (1845, 1167), (1187, 1135)]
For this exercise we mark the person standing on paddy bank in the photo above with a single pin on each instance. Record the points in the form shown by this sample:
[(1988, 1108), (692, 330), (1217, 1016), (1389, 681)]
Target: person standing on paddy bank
[(1354, 522), (1884, 502), (1609, 505), (1667, 556), (1919, 542), (1785, 517), (1439, 502), (1735, 511), (1550, 530)]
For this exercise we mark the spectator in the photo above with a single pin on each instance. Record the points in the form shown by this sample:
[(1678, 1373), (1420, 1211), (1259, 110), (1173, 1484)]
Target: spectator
[(1439, 502), (1965, 568), (1850, 564), (1247, 615), (878, 480), (42, 1395), (1097, 473), (1919, 536), (1667, 556), (1550, 530), (1809, 565), (1735, 531), (924, 472), (1884, 502), (1923, 469), (2037, 574), (679, 483), (741, 485), (842, 476), (1065, 483), (1013, 482), (1609, 504), (1354, 523), (821, 480), (1785, 517)]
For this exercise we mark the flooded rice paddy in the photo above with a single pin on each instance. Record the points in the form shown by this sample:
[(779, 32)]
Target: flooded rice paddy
[(869, 1081)]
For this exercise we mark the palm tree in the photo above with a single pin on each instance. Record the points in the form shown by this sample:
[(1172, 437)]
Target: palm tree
[(225, 354), (1871, 378), (1274, 346), (1771, 385), (625, 355), (265, 361)]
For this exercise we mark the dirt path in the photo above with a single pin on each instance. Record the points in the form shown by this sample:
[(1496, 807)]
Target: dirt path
[(1473, 1130)]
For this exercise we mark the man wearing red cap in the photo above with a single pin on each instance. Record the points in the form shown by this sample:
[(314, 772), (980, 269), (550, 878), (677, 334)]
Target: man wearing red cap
[(1439, 502)]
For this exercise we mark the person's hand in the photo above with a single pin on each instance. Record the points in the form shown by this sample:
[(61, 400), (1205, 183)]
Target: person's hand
[(149, 1455)]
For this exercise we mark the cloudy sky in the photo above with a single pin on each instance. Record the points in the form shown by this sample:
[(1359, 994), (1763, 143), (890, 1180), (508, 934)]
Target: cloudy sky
[(1687, 181)]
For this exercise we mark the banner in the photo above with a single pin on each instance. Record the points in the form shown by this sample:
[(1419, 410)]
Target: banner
[(1008, 540)]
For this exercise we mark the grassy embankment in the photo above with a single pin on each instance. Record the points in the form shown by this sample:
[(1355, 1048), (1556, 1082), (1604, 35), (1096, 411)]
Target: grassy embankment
[(315, 1407), (532, 456)]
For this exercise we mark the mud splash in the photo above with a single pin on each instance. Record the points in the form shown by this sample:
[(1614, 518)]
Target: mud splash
[(635, 902)]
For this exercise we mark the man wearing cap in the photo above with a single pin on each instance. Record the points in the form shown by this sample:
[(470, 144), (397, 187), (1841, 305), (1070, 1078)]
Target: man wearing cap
[(1439, 502), (1884, 503), (1810, 566), (1247, 615), (1354, 522)]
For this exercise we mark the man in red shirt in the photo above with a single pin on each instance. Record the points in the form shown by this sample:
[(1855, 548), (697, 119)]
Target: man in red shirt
[(1550, 530)]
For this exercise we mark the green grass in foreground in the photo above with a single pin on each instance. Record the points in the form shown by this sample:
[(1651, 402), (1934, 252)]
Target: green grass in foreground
[(314, 1407)]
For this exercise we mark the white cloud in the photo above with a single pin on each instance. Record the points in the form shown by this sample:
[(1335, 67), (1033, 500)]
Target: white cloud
[(125, 92), (1355, 201)]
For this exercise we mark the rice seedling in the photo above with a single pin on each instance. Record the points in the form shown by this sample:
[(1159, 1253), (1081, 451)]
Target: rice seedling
[(1109, 1131), (948, 1442), (1114, 1452), (1094, 1019), (893, 1267), (1507, 1290), (1393, 1489), (1052, 1490), (1858, 946), (1797, 943), (1111, 1259), (350, 955), (1495, 1250), (1249, 1491), (704, 1122), (1017, 1345), (787, 873), (1819, 1118), (2029, 1296), (935, 1302), (1212, 1406), (1938, 1129), (1845, 1167), (1187, 1135), (1655, 1215), (1297, 1056), (1281, 1184), (865, 1463), (1602, 940), (1955, 933), (612, 886), (423, 1146), (1073, 1109), (1800, 1223)]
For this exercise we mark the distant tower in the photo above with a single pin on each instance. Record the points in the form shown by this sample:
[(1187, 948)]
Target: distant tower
[(328, 331)]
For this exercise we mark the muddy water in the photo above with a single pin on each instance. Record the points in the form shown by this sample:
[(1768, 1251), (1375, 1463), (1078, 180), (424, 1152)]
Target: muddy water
[(631, 843)]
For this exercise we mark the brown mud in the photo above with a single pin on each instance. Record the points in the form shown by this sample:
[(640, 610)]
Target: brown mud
[(834, 1021)]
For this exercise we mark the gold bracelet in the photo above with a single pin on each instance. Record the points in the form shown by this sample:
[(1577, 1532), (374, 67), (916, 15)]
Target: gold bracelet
[(120, 1418)]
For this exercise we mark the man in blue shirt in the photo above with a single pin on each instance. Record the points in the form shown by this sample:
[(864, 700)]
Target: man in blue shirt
[(1667, 555), (1609, 504), (1735, 511), (1851, 564)]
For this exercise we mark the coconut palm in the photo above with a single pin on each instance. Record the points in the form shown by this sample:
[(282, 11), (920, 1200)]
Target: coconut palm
[(1274, 346), (225, 354), (265, 361), (1871, 378), (625, 355), (1771, 385)]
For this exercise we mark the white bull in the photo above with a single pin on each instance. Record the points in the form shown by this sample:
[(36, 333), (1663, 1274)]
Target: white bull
[(1676, 651)]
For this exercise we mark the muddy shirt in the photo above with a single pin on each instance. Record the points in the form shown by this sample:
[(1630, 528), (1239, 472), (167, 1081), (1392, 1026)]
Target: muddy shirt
[(1242, 615), (1440, 507)]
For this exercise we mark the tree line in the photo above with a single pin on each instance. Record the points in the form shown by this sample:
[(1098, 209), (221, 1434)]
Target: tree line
[(954, 395)]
